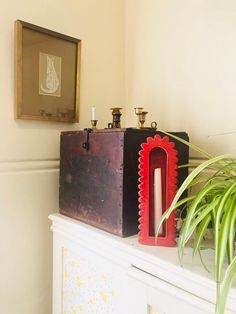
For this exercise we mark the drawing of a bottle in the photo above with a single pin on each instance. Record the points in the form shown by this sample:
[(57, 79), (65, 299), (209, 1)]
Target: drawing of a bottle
[(52, 81)]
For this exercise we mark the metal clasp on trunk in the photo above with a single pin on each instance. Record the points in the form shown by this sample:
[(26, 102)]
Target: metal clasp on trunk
[(85, 145)]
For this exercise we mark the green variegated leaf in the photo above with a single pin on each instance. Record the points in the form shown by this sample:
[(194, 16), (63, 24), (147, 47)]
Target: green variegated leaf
[(192, 165), (220, 233), (231, 236), (207, 210), (221, 244), (190, 214), (191, 145), (202, 261), (201, 230), (225, 287), (198, 180)]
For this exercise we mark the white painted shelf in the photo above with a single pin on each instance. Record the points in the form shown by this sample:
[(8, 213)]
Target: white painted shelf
[(95, 272)]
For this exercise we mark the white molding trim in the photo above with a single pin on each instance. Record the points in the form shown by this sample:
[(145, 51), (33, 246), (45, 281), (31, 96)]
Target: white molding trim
[(15, 166)]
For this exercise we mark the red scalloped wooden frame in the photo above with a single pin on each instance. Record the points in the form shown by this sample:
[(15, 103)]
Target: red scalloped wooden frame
[(157, 152)]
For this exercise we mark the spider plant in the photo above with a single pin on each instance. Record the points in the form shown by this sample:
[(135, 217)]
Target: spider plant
[(213, 204)]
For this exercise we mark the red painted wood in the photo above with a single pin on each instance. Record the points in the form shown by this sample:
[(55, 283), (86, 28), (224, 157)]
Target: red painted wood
[(157, 152)]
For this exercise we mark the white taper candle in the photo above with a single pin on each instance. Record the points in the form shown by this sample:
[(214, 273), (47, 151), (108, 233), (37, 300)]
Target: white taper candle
[(93, 113), (157, 198)]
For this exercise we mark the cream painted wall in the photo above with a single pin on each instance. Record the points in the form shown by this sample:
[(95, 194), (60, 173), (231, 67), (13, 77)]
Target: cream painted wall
[(100, 27), (29, 150), (180, 66)]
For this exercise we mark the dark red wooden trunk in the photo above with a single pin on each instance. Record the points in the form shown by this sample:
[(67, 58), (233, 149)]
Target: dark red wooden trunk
[(99, 186)]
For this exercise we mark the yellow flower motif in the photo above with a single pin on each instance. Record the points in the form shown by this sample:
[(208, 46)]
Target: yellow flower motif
[(90, 301), (73, 311), (103, 296), (66, 274), (78, 282), (154, 310), (81, 309)]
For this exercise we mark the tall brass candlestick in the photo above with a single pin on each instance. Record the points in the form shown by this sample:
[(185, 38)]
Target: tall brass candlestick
[(138, 111), (116, 117), (141, 116)]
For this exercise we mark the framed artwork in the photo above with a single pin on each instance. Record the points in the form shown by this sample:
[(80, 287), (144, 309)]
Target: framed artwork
[(47, 74)]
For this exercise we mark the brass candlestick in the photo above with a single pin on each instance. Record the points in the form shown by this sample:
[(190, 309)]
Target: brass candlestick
[(141, 116), (138, 111), (116, 114), (94, 124)]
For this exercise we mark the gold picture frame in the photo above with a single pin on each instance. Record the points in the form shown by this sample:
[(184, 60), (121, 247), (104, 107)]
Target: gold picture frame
[(47, 74)]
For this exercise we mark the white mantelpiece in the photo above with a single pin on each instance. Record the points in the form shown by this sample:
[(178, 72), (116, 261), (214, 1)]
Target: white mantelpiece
[(95, 272)]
